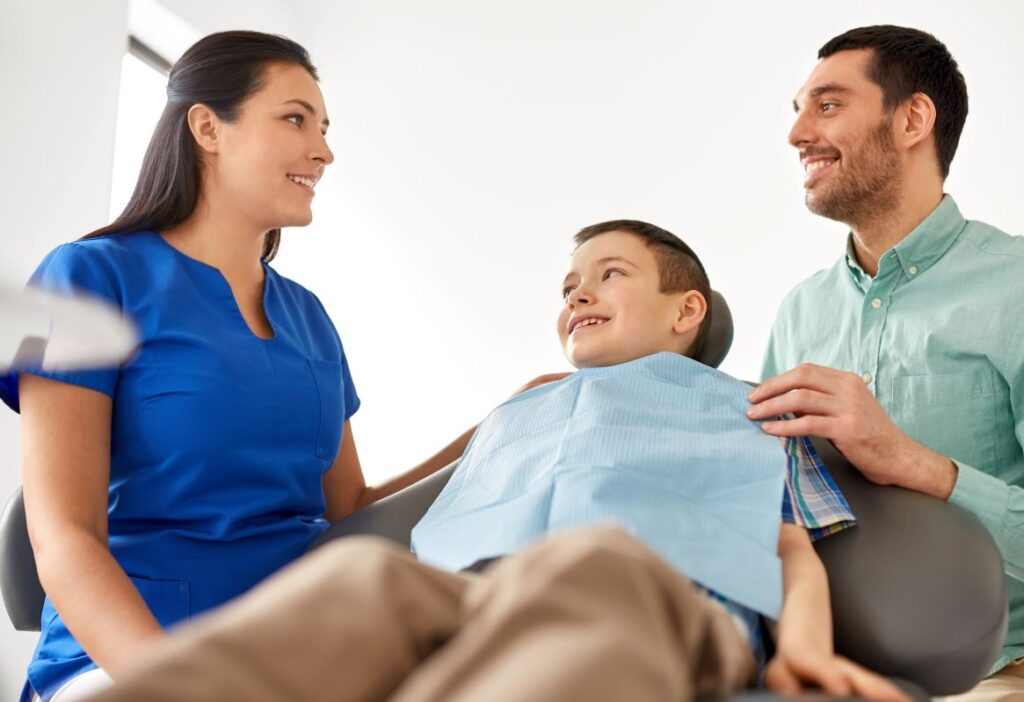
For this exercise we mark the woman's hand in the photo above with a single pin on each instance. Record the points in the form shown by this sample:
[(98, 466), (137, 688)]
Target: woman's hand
[(540, 380), (793, 670)]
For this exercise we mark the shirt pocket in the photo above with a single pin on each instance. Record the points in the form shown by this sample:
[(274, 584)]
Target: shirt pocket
[(951, 413), (328, 377)]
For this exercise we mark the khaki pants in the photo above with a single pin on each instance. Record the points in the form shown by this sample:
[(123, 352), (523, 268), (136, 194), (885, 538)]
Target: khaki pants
[(1007, 685), (586, 615)]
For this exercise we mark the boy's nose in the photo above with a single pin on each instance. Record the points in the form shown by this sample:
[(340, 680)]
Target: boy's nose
[(579, 297)]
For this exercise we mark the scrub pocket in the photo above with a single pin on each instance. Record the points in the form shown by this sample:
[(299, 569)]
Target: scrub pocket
[(953, 413), (332, 407), (168, 600)]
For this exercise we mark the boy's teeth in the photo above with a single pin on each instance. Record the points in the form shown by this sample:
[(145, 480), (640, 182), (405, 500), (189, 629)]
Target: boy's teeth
[(302, 181), (587, 323)]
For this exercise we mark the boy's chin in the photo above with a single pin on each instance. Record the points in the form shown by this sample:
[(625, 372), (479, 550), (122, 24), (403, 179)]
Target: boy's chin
[(580, 359)]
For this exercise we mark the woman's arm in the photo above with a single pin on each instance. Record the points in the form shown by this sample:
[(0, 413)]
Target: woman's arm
[(66, 475), (345, 488), (804, 654)]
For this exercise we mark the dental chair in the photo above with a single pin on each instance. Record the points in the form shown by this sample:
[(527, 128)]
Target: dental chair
[(917, 587)]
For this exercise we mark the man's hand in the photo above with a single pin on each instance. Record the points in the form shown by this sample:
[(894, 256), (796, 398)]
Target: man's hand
[(540, 380), (837, 405), (790, 672)]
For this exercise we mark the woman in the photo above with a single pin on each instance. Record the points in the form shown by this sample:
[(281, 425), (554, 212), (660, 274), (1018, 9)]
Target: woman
[(168, 486)]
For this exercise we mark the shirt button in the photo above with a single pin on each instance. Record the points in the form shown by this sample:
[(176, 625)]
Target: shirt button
[(912, 270), (866, 378), (876, 303)]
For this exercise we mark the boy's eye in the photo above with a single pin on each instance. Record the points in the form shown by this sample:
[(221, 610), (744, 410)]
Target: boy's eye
[(295, 119), (565, 291), (612, 271)]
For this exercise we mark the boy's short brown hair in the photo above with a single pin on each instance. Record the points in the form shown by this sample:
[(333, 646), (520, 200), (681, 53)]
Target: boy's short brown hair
[(679, 269)]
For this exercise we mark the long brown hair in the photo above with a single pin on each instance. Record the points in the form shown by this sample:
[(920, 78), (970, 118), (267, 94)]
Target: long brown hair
[(220, 71)]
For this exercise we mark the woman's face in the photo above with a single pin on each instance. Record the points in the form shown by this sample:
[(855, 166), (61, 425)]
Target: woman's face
[(268, 161)]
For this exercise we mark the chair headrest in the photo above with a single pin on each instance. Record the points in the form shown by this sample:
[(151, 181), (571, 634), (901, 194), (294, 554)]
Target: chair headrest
[(720, 334)]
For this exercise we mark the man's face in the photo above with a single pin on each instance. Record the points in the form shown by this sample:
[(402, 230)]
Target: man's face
[(614, 309), (844, 137)]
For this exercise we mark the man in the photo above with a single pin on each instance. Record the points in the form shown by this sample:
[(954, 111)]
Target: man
[(908, 354)]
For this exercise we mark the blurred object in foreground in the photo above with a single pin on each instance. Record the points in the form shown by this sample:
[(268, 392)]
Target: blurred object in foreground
[(41, 331)]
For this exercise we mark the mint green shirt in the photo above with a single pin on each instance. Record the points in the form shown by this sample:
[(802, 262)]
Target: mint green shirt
[(938, 337)]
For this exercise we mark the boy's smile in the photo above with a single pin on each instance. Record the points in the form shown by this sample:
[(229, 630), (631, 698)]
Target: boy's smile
[(614, 309)]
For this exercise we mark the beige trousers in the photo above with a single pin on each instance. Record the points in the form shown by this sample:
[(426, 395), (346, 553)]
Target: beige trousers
[(585, 615), (1007, 685)]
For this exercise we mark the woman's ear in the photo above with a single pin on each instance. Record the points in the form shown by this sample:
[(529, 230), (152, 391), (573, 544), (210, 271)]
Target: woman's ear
[(205, 127), (691, 311)]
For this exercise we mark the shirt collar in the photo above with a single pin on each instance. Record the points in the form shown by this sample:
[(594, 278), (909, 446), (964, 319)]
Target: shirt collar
[(919, 249)]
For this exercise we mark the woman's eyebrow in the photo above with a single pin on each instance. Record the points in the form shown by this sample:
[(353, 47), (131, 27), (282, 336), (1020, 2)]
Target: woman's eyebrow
[(309, 108)]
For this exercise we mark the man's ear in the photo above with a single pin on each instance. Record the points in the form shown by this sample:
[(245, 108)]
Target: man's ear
[(918, 121), (691, 311), (205, 127)]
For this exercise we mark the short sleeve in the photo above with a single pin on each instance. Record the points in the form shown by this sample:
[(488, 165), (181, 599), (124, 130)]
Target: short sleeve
[(352, 401), (68, 270), (811, 498)]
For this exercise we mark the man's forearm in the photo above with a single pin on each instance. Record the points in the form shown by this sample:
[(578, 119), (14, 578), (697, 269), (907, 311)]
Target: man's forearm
[(925, 471)]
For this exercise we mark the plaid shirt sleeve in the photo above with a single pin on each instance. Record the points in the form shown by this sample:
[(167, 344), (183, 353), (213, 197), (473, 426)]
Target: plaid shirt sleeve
[(811, 498)]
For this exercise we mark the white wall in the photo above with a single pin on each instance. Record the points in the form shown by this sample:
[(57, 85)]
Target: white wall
[(59, 67), (472, 139)]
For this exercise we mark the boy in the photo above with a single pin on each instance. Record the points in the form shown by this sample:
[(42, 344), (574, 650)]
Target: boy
[(556, 605)]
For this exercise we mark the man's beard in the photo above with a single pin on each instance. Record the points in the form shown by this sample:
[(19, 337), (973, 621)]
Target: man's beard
[(868, 188)]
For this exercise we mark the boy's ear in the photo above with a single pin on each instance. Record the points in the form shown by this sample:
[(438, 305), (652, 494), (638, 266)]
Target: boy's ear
[(692, 309), (205, 127)]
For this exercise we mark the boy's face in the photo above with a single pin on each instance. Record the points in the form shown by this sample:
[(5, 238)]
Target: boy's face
[(614, 309)]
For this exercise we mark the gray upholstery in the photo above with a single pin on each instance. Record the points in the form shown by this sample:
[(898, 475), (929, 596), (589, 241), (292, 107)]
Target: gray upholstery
[(719, 339), (938, 624), (917, 588), (23, 595)]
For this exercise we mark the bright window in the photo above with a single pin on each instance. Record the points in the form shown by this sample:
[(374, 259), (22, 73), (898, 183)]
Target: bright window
[(141, 100)]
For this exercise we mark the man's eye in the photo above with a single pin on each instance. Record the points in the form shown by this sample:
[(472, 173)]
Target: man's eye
[(827, 106), (295, 119)]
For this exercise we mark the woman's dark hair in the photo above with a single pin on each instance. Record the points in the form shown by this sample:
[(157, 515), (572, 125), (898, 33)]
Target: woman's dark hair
[(905, 61), (220, 71)]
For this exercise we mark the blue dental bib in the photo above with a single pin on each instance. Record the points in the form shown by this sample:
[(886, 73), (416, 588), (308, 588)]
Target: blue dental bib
[(660, 446)]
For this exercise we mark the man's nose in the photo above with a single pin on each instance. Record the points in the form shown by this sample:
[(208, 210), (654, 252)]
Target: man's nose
[(802, 132)]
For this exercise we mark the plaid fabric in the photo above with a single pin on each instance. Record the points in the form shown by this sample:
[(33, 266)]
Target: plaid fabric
[(811, 498)]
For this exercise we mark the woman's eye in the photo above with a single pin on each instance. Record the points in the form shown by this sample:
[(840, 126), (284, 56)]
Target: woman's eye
[(295, 119)]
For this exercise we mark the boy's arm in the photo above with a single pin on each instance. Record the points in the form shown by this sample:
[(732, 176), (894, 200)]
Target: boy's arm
[(804, 654)]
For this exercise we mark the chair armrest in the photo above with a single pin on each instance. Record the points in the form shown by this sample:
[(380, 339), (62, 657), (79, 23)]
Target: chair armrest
[(395, 515), (918, 590)]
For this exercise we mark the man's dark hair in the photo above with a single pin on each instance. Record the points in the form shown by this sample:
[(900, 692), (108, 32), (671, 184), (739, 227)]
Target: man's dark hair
[(907, 61), (679, 269)]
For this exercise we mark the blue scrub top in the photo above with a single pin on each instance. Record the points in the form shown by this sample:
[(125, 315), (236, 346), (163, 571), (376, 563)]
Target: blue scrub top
[(220, 439)]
